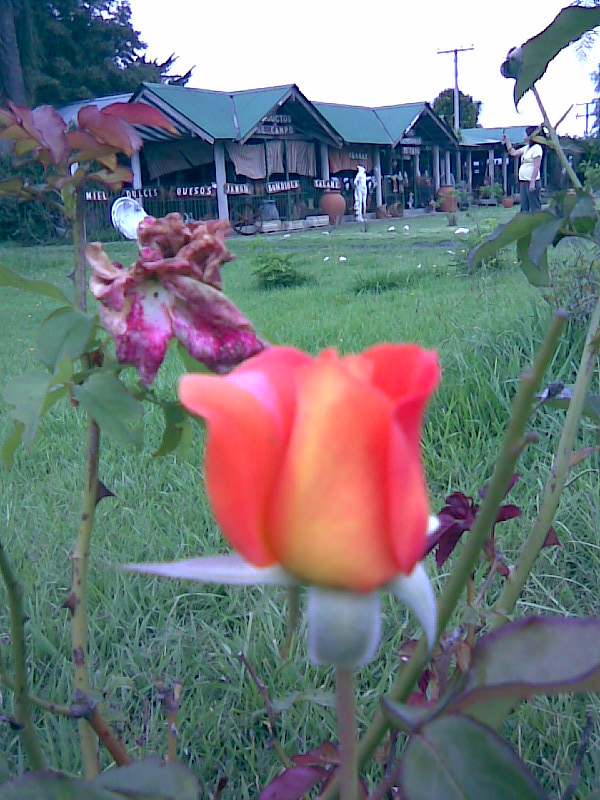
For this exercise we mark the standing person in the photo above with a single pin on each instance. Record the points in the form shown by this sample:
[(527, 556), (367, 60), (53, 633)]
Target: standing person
[(529, 170)]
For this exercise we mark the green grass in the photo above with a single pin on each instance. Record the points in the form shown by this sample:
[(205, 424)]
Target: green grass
[(486, 328)]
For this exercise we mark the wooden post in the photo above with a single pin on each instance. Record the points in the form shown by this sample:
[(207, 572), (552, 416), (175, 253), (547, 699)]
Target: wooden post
[(469, 171), (447, 166), (377, 176), (324, 161), (504, 173), (220, 179), (491, 165), (136, 168), (436, 168)]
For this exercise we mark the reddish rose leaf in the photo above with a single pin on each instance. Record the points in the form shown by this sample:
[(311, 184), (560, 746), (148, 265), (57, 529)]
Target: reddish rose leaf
[(25, 146), (88, 147), (53, 129), (14, 133), (463, 656), (109, 130), (293, 783), (140, 114), (6, 118), (11, 185), (325, 754), (112, 178), (45, 126)]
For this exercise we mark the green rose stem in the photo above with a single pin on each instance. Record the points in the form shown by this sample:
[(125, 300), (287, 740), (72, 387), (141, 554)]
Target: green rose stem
[(77, 601), (556, 145), (512, 447), (513, 586), (348, 768), (26, 731)]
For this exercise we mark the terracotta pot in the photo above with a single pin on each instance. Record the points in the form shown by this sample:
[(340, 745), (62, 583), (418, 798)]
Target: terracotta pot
[(508, 202), (333, 204), (446, 198)]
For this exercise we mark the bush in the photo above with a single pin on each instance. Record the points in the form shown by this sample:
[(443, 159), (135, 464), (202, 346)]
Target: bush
[(476, 237), (575, 277), (274, 270)]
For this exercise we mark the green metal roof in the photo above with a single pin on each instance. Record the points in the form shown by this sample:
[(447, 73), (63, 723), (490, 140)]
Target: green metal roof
[(225, 115), (208, 110), (398, 119), (474, 137), (356, 124), (254, 104)]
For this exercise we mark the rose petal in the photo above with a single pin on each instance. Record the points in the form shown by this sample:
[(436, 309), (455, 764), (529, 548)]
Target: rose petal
[(330, 500), (243, 454), (209, 325)]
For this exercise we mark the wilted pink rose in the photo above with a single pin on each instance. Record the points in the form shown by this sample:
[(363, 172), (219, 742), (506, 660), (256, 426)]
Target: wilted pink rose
[(173, 289)]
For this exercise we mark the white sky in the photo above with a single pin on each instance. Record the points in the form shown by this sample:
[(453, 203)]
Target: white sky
[(376, 53)]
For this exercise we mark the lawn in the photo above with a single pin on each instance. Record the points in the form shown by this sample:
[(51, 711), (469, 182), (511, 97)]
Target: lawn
[(363, 286)]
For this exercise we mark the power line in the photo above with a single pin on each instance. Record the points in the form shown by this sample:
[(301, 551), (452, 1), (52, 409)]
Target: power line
[(456, 51), (587, 114)]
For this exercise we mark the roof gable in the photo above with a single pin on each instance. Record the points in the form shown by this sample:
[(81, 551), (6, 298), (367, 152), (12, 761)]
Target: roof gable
[(357, 124), (398, 119)]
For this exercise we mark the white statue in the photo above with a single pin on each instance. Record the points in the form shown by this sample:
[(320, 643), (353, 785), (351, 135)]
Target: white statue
[(360, 194)]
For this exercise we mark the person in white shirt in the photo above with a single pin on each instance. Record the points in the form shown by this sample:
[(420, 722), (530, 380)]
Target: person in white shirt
[(529, 170)]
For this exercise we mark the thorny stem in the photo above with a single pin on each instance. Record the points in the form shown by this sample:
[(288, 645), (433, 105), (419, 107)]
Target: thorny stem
[(78, 598), (348, 768), (585, 738), (26, 731), (79, 242), (556, 146), (171, 700), (558, 475), (269, 709), (80, 556), (114, 747), (74, 711), (480, 532)]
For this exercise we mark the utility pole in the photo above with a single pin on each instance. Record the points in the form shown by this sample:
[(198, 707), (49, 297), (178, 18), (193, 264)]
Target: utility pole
[(587, 114), (456, 51)]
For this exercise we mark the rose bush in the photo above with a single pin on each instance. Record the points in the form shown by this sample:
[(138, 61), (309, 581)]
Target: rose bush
[(314, 464)]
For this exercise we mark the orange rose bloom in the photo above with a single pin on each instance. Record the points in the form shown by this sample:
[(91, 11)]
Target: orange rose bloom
[(314, 463)]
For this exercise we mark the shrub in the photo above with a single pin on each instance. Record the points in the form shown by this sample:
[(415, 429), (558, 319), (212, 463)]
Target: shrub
[(575, 280), (274, 270)]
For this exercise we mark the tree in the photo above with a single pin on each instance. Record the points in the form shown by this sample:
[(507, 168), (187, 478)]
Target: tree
[(17, 50), (469, 109), (76, 49)]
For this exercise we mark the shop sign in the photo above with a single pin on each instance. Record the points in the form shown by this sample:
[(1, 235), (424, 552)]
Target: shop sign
[(276, 125), (238, 188), (278, 119), (282, 186), (410, 151), (356, 155), (330, 183), (92, 195), (274, 130), (141, 194), (196, 191), (414, 140)]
